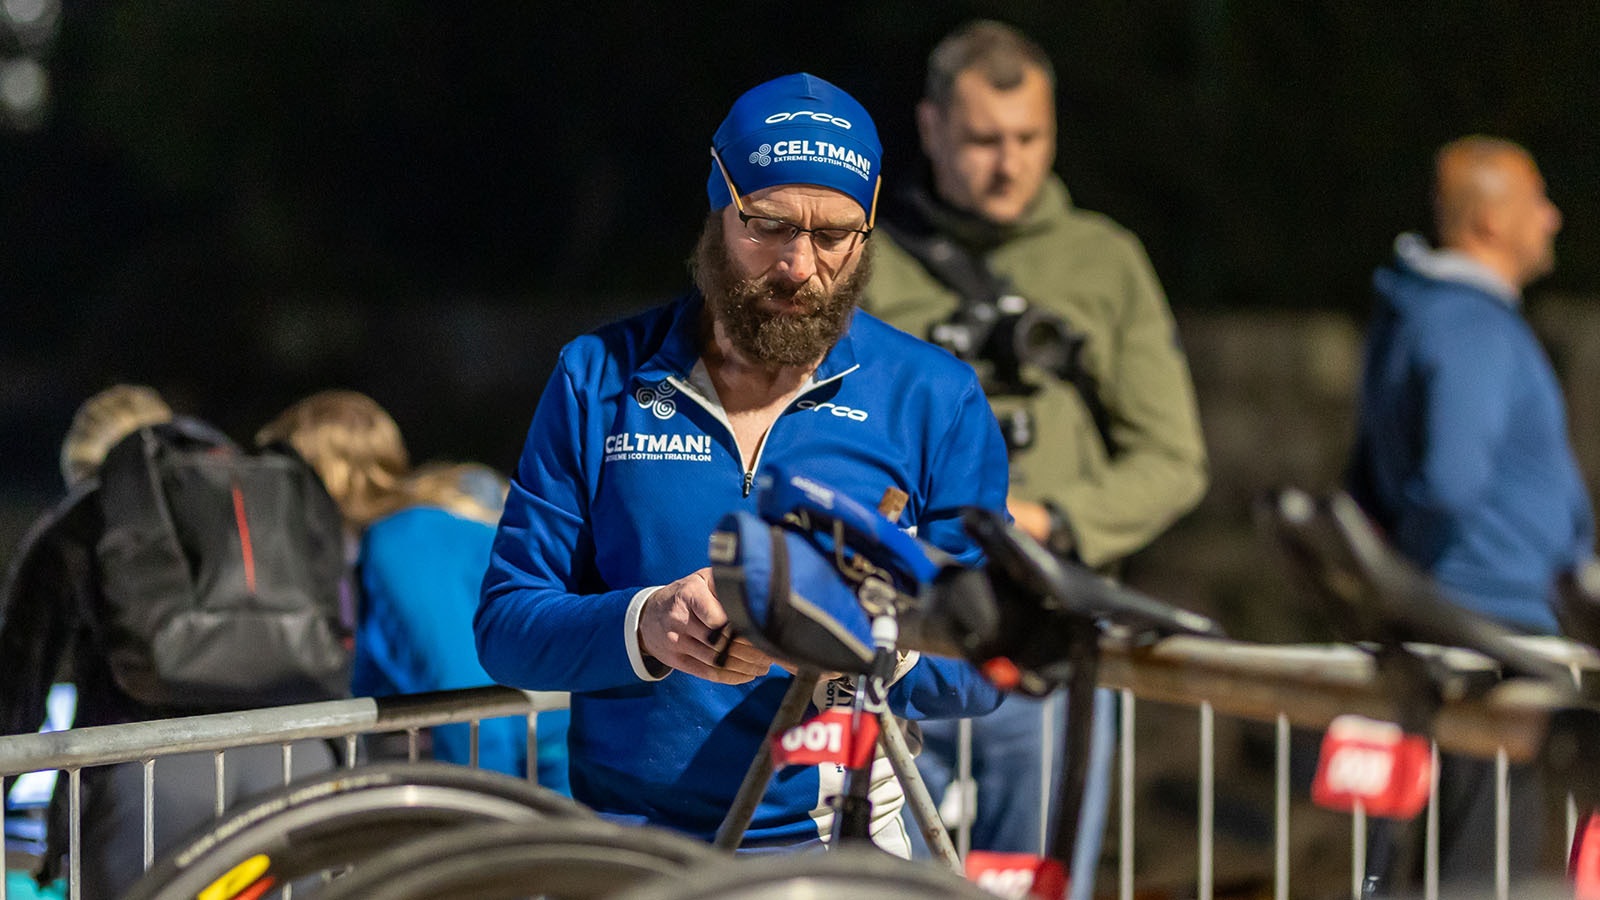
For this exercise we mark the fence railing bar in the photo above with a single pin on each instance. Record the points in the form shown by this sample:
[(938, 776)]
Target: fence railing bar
[(219, 771), (1315, 684), (1290, 685), (1502, 827), (413, 750), (149, 787), (1430, 846), (533, 748), (1280, 812), (473, 729), (105, 744), (1094, 819), (1208, 797), (75, 833), (1125, 801), (963, 786), (1572, 821), (1572, 801), (1048, 729), (1358, 851), (4, 793)]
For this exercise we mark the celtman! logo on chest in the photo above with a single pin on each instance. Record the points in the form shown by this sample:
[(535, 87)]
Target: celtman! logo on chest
[(661, 401), (637, 445)]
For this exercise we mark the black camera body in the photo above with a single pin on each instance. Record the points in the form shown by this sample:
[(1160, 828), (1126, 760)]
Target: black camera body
[(1009, 333), (997, 330)]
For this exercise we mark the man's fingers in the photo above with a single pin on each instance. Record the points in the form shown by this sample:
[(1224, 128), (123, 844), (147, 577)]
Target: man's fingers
[(720, 674), (695, 635), (702, 601), (741, 651), (739, 655)]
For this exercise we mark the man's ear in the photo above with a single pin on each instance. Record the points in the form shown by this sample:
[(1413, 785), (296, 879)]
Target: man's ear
[(1486, 222), (930, 128)]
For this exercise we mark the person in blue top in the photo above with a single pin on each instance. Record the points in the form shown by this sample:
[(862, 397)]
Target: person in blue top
[(1462, 454), (424, 537), (652, 428)]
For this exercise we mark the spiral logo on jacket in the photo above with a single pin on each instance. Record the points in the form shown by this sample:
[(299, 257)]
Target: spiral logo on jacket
[(657, 398), (649, 445)]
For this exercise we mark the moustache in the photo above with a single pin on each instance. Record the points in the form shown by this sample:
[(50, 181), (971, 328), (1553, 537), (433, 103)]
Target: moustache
[(809, 297)]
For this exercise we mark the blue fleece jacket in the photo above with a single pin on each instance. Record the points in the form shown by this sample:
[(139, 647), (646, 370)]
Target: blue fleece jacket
[(420, 572), (1462, 449), (627, 468)]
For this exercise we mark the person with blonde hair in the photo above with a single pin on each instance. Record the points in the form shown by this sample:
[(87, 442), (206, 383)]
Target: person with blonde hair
[(355, 446), (102, 421), (51, 631), (424, 535)]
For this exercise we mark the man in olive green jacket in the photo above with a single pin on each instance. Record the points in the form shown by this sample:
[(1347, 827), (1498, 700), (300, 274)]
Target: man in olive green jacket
[(1092, 491)]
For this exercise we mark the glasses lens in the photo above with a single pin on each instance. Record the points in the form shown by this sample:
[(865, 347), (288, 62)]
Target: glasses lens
[(770, 231), (833, 240), (776, 233)]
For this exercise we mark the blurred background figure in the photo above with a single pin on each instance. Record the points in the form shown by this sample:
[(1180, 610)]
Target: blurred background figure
[(50, 633), (1462, 454), (422, 537), (1059, 311)]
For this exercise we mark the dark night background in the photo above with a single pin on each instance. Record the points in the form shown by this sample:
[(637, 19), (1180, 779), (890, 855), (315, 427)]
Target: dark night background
[(240, 203), (244, 202)]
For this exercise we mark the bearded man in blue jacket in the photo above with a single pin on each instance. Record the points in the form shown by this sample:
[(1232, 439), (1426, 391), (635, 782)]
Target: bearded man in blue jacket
[(1462, 453), (654, 427)]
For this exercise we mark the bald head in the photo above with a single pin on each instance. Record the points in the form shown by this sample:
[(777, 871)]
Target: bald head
[(1469, 175), (1489, 202)]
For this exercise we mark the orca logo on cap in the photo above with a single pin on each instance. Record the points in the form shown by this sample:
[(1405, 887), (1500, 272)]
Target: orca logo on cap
[(829, 118)]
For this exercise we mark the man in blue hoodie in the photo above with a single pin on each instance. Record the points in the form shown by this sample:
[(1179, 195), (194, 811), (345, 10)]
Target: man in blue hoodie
[(654, 427), (1462, 453)]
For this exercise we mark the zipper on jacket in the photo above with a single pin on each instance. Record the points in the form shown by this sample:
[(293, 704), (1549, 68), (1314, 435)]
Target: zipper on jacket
[(717, 412)]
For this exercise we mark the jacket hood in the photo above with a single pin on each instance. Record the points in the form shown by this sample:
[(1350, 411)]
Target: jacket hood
[(1414, 259)]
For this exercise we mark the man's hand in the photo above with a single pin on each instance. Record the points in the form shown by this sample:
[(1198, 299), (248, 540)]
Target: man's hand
[(1032, 518), (682, 626)]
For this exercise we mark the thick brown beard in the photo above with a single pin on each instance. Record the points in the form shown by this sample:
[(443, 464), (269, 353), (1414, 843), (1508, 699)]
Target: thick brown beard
[(774, 339)]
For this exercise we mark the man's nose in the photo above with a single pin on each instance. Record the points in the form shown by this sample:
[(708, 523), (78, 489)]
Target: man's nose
[(798, 262), (1008, 159)]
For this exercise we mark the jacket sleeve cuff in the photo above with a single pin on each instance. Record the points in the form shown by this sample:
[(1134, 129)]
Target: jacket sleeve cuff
[(645, 668)]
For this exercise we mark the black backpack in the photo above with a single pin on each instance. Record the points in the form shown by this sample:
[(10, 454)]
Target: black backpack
[(220, 574)]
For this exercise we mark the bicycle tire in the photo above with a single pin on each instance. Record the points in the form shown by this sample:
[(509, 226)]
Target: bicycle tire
[(860, 873), (336, 820), (566, 859)]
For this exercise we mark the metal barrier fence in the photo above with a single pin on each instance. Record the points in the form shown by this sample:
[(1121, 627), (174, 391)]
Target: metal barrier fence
[(73, 750), (1297, 685), (1309, 686)]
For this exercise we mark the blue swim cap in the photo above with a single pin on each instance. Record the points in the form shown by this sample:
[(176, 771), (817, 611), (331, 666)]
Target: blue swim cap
[(797, 129)]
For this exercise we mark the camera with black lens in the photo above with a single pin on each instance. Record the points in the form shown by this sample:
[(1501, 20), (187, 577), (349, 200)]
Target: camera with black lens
[(1007, 334)]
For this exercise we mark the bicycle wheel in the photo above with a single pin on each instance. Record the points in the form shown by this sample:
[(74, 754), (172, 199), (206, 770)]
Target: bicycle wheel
[(860, 873), (337, 820), (566, 859)]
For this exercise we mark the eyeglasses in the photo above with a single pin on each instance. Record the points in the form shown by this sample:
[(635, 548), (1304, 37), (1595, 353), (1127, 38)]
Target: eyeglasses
[(769, 232)]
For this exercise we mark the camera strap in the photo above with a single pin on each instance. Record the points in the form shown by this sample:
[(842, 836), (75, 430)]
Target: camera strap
[(966, 273)]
